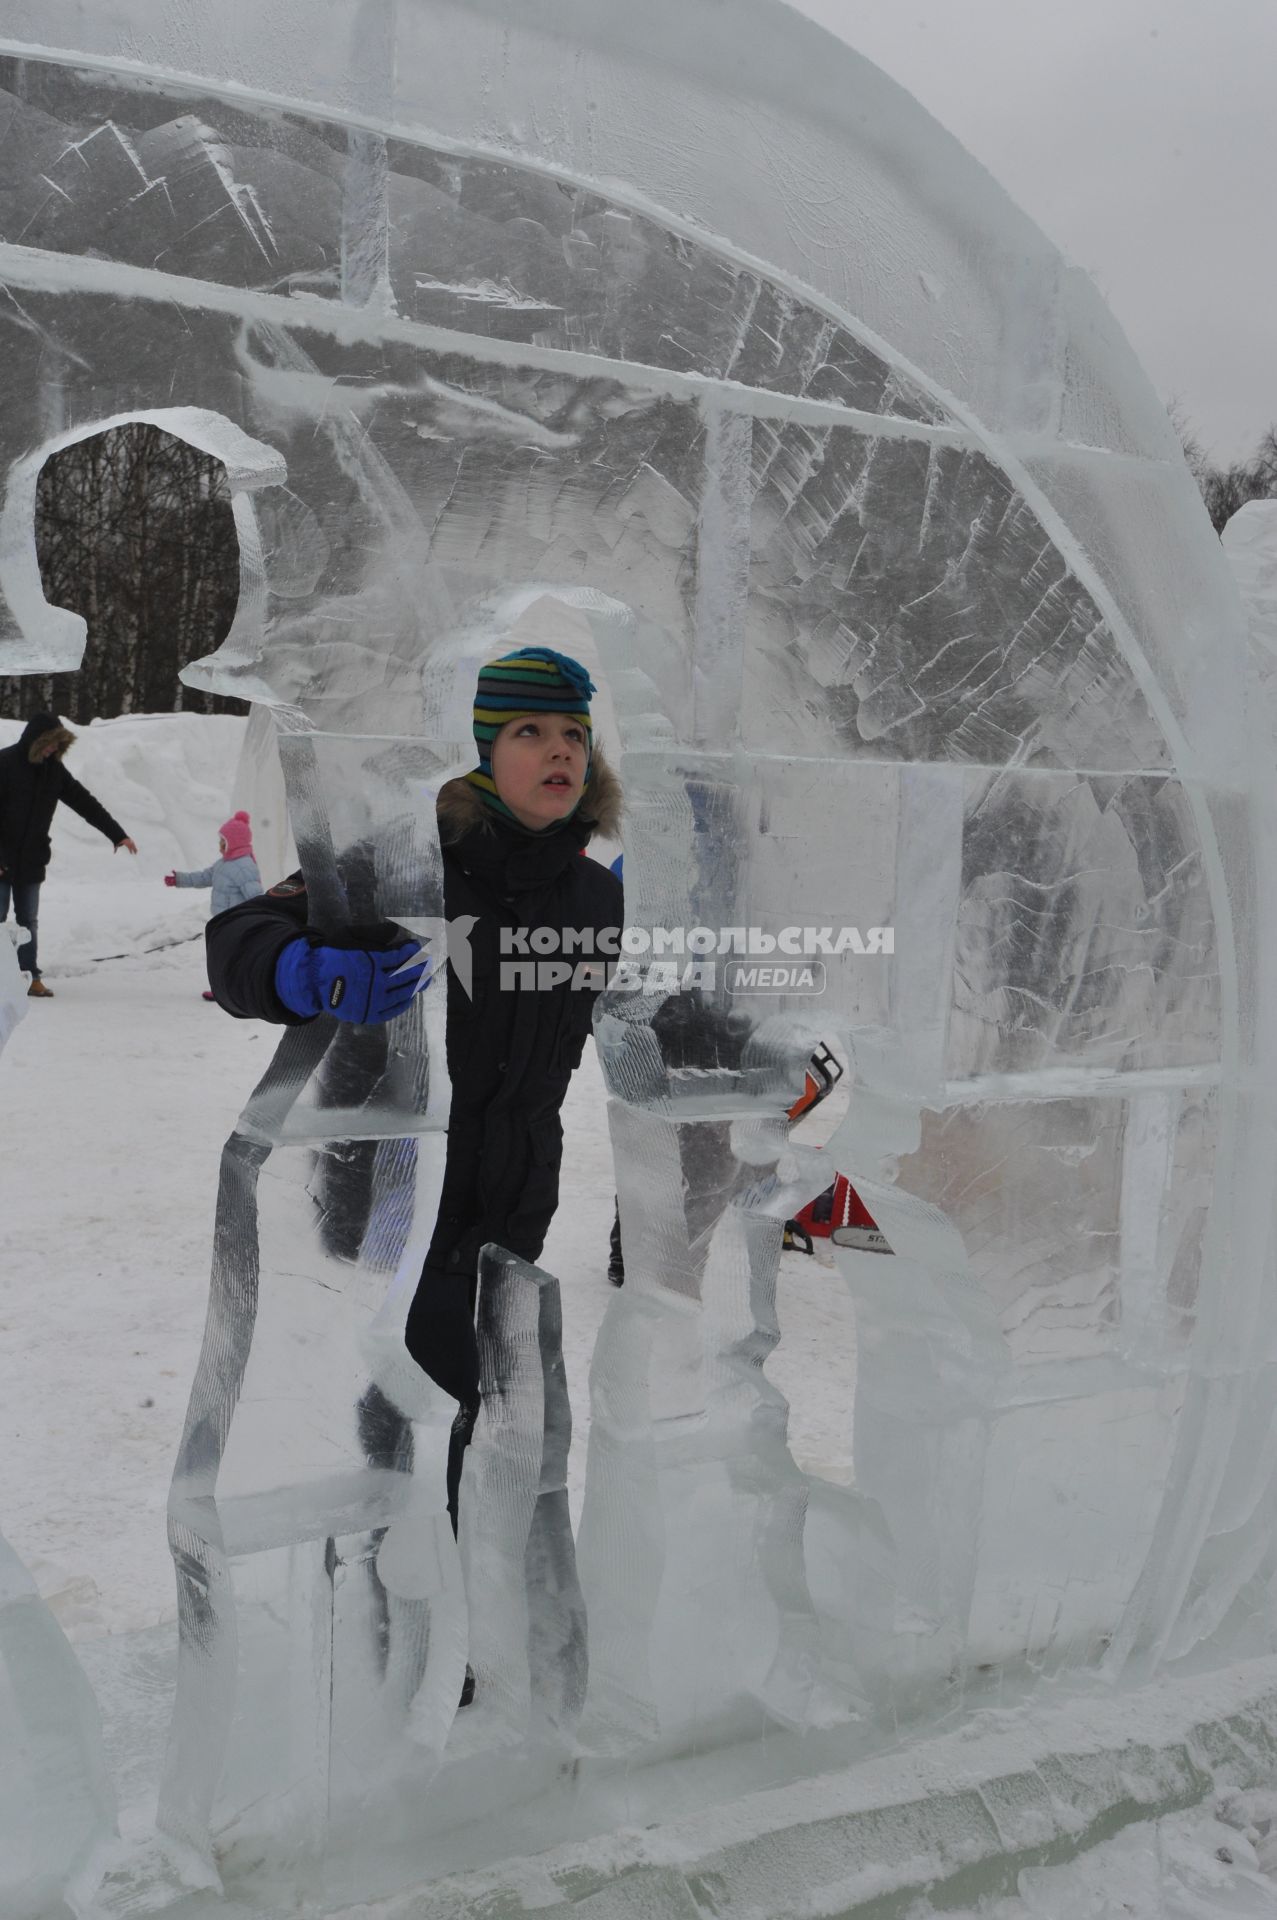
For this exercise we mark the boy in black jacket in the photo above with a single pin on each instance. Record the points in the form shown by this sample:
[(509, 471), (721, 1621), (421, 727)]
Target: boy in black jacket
[(512, 833)]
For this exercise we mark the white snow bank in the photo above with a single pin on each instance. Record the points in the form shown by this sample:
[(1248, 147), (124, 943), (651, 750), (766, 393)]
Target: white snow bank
[(1250, 541)]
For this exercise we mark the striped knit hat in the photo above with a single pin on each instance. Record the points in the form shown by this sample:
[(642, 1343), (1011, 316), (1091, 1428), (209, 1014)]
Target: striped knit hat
[(530, 680)]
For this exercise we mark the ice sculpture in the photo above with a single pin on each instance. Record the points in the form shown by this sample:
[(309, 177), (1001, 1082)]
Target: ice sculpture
[(13, 983), (528, 1642), (258, 787), (57, 1810), (911, 620)]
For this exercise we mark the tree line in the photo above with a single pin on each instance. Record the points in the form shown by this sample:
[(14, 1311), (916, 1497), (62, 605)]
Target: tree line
[(1225, 489), (134, 532)]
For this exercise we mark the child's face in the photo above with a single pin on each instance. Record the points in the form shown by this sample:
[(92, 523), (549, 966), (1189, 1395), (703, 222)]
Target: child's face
[(221, 843), (538, 767)]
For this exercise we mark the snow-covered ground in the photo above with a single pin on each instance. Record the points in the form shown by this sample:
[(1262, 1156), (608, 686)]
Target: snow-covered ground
[(115, 1098)]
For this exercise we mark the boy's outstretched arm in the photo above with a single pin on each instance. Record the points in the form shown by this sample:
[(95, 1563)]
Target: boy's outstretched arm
[(244, 945), (266, 963)]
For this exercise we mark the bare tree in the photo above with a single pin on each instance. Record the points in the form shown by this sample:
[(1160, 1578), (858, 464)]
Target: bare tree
[(1195, 454), (1225, 489), (1264, 464), (134, 532)]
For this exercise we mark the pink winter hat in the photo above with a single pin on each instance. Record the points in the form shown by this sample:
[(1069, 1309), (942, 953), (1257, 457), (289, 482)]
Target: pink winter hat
[(238, 836)]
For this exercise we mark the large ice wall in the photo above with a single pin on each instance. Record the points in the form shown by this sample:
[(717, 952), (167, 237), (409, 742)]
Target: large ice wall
[(686, 320), (57, 1810)]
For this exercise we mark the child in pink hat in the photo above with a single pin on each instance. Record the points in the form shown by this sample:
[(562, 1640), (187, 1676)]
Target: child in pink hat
[(234, 877)]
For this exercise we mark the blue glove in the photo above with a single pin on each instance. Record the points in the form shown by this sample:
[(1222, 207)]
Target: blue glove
[(349, 982)]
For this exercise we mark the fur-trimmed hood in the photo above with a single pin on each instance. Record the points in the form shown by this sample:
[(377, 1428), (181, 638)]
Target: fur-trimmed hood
[(461, 808), (40, 729)]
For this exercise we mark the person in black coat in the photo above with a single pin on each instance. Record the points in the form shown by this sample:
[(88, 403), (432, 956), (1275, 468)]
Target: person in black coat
[(33, 780), (513, 832)]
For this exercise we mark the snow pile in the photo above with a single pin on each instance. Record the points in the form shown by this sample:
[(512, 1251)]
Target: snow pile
[(1250, 541)]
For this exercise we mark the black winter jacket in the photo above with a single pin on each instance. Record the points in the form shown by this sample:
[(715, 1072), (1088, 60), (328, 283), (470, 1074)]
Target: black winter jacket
[(511, 1053), (29, 793)]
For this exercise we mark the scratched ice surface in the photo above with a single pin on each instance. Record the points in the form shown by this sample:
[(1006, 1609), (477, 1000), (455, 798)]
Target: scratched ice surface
[(855, 499), (57, 1809), (13, 984), (528, 1646)]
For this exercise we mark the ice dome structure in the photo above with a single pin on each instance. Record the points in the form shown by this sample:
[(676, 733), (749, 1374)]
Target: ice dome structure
[(687, 323)]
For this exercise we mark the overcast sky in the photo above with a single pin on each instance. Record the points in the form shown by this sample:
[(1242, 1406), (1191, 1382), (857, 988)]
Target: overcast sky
[(1141, 135)]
